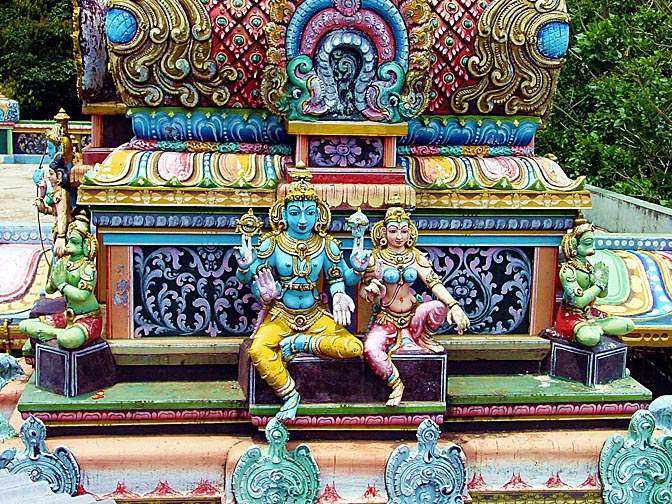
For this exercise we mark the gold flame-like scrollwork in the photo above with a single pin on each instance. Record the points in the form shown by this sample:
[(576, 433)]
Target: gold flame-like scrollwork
[(513, 76), (169, 60)]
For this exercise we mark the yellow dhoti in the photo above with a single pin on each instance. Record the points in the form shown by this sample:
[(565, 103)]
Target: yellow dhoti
[(328, 341)]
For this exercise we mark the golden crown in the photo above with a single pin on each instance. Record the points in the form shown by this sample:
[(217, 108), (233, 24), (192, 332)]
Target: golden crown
[(301, 189), (396, 214)]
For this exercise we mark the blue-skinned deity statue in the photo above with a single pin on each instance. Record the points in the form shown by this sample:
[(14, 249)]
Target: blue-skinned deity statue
[(284, 270)]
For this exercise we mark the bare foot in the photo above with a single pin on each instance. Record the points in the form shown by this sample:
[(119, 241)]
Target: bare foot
[(289, 407), (395, 396), (430, 344)]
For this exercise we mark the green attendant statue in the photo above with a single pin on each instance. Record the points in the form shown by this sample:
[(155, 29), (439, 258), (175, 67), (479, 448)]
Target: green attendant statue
[(582, 285), (74, 276)]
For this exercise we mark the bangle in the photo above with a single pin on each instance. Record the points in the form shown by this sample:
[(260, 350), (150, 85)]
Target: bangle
[(452, 305), (62, 286), (243, 270), (60, 236)]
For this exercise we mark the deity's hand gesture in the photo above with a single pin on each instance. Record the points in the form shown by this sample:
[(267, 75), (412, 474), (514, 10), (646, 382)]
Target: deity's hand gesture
[(456, 315), (376, 289), (343, 307), (59, 247), (359, 258), (245, 254), (59, 274), (601, 272), (268, 288)]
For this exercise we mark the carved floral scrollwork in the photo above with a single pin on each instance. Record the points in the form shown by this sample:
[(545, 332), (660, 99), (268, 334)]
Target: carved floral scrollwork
[(639, 467), (59, 468), (425, 473), (493, 285), (190, 291), (277, 475)]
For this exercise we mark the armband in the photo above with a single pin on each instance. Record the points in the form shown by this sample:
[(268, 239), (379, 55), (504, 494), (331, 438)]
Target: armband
[(432, 279)]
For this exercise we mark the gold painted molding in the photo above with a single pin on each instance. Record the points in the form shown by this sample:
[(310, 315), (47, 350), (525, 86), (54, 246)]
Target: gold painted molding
[(504, 200), (358, 128), (168, 196), (549, 496)]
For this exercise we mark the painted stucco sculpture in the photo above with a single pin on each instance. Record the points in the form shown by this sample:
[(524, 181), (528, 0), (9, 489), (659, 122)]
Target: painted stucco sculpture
[(74, 276), (637, 469), (400, 320), (59, 468), (276, 474), (53, 181), (460, 144), (10, 369), (284, 270), (426, 473), (583, 284)]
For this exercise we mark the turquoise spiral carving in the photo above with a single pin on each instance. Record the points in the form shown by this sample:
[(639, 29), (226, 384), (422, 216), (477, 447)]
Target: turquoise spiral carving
[(277, 476), (637, 469), (426, 474)]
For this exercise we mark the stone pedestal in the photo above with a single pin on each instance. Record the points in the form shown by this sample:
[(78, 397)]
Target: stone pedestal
[(74, 372), (348, 388), (591, 366)]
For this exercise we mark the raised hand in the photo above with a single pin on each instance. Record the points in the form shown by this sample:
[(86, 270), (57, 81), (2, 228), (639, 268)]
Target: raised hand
[(343, 307), (245, 254), (359, 258), (601, 272), (59, 274), (268, 287)]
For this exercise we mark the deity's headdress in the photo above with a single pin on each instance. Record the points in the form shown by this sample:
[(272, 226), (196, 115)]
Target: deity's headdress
[(571, 239), (300, 189), (81, 224), (59, 135)]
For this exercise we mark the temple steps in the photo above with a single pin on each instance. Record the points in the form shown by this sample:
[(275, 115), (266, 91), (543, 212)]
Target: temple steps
[(224, 351), (471, 398)]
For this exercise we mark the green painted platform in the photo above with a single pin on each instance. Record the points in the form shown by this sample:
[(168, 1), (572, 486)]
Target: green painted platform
[(470, 398)]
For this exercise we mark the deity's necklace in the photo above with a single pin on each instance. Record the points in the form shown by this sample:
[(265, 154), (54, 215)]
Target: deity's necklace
[(397, 258), (73, 265), (581, 266), (301, 251)]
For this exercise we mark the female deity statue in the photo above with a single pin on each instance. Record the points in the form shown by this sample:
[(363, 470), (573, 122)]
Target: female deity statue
[(74, 276), (283, 271), (400, 320), (582, 284)]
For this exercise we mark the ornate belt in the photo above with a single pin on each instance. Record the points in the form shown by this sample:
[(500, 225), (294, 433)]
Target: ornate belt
[(298, 320), (401, 320), (72, 317), (298, 286), (575, 310)]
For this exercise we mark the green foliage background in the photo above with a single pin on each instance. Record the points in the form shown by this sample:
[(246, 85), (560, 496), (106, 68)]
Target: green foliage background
[(611, 116), (37, 65)]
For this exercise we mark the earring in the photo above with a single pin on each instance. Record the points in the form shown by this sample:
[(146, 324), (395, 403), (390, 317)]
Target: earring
[(383, 241)]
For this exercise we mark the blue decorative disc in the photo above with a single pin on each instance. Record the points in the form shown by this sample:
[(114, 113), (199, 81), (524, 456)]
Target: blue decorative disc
[(120, 26), (553, 39)]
